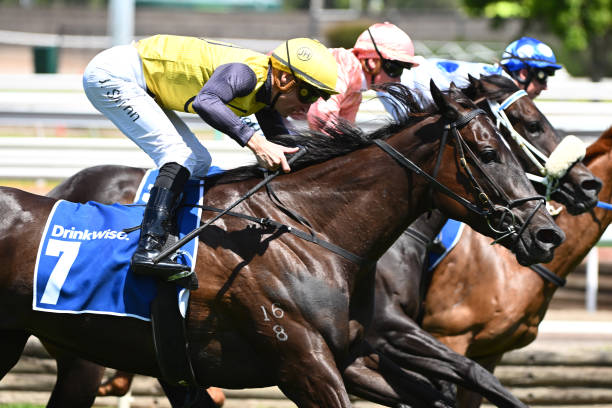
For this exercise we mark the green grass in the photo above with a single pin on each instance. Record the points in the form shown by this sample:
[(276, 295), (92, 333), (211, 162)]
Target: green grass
[(21, 406)]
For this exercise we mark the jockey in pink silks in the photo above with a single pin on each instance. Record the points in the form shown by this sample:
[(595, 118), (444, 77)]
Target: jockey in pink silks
[(380, 55)]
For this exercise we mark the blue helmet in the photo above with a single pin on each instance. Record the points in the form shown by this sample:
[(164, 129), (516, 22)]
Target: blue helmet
[(528, 52)]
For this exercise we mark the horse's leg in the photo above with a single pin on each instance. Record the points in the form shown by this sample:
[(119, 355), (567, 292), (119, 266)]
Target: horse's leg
[(414, 349), (77, 380), (118, 385), (179, 396), (310, 376), (13, 342), (470, 399), (376, 379)]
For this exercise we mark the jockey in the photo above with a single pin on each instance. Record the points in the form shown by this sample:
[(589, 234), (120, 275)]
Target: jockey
[(381, 53), (527, 61), (530, 62), (139, 86)]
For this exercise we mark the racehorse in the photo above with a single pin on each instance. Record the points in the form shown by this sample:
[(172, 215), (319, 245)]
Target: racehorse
[(324, 298), (483, 330)]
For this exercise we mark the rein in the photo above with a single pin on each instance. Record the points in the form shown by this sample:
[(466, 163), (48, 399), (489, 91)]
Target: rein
[(267, 222), (486, 206)]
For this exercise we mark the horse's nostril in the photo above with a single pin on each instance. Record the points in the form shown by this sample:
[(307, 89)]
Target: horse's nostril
[(550, 236), (593, 184)]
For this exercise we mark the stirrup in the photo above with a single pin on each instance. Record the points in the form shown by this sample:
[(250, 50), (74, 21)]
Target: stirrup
[(187, 280)]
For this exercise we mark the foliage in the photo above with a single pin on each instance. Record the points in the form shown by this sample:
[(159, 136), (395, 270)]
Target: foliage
[(584, 26), (344, 35)]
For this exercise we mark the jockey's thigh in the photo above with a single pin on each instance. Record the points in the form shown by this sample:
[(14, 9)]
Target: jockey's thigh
[(114, 83), (199, 160)]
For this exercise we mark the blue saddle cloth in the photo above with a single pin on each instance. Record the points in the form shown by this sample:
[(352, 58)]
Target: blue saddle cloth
[(448, 236), (83, 263)]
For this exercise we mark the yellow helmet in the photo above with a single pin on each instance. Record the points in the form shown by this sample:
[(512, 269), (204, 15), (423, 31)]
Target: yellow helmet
[(308, 60)]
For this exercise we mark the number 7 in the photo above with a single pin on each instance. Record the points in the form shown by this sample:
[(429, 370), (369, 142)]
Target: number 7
[(69, 251)]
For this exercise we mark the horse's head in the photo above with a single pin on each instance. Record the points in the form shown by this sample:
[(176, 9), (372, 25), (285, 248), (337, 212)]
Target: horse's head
[(511, 211), (578, 188)]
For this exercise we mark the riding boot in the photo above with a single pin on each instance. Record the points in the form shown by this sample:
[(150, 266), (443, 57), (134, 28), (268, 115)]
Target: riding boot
[(153, 235)]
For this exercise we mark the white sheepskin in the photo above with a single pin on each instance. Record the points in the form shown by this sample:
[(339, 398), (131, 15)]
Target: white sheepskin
[(570, 150)]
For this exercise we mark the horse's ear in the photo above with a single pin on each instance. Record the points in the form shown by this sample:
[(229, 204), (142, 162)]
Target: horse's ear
[(473, 81), (443, 101), (437, 95), (470, 90)]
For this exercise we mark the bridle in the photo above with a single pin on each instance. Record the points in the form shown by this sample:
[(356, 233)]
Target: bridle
[(484, 207), (533, 153)]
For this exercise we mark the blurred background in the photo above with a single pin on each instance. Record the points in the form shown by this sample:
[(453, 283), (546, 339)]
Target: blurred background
[(579, 31)]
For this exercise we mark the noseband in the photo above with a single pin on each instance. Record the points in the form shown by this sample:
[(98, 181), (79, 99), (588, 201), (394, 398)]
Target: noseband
[(484, 207), (534, 154)]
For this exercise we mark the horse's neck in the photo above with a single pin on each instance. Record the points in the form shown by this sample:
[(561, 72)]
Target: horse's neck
[(364, 201), (583, 231)]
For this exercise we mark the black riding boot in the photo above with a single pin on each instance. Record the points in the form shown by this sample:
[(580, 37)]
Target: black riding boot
[(153, 234)]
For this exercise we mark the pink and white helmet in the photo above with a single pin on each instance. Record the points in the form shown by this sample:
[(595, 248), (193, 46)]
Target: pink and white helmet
[(392, 42)]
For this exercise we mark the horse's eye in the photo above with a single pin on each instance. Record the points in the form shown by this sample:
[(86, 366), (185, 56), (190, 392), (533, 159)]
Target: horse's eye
[(488, 156), (533, 127)]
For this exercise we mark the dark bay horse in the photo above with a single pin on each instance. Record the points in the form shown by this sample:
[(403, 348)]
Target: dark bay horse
[(324, 298)]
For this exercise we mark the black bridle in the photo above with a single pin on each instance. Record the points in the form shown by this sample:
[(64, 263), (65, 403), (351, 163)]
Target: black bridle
[(484, 207)]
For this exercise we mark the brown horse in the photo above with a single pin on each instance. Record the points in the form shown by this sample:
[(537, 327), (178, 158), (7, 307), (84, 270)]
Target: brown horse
[(485, 327), (323, 297)]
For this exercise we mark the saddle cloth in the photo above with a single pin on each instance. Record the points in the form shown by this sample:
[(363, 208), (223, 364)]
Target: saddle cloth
[(84, 256), (449, 236)]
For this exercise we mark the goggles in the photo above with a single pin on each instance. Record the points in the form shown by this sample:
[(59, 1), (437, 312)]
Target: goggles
[(541, 75), (393, 68), (308, 94)]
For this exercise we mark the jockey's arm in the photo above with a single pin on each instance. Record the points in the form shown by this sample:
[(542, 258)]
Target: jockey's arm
[(271, 123), (226, 83), (229, 81)]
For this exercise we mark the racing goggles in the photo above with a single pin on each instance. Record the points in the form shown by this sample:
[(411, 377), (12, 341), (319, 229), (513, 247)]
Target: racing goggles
[(541, 75), (308, 94), (393, 68)]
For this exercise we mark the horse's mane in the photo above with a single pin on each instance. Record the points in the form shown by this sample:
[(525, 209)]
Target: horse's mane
[(337, 137), (603, 145)]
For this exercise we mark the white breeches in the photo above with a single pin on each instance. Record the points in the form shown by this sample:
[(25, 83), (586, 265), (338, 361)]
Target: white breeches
[(114, 83)]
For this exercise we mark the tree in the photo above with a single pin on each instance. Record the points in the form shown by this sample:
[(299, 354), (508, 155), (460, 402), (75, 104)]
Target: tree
[(583, 26)]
